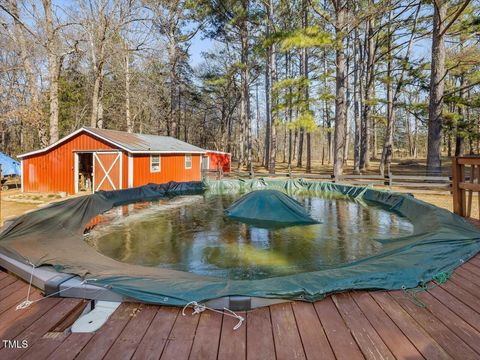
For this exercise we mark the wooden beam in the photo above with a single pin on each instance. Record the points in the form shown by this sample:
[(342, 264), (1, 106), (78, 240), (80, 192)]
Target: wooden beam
[(468, 160), (458, 194), (469, 186)]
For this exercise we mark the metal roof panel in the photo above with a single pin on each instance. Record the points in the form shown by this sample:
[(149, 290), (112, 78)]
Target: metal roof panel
[(142, 142)]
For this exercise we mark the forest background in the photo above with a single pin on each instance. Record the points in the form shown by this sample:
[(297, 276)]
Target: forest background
[(301, 83)]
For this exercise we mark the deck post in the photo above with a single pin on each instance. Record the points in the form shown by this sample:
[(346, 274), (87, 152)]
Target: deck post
[(458, 193)]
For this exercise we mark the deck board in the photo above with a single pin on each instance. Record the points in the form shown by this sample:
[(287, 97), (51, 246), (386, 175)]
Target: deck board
[(104, 338), (367, 338), (449, 341), (288, 344), (352, 325), (207, 337), (338, 334), (17, 292), (34, 334), (462, 294), (233, 343), (153, 342), (456, 306), (22, 319), (126, 343), (260, 341), (428, 347), (180, 340), (393, 337), (311, 332), (455, 323), (72, 345)]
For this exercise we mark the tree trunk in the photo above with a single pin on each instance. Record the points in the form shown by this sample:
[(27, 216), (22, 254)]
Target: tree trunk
[(245, 126), (326, 111), (437, 85), (301, 135), (53, 69), (172, 58), (274, 113), (295, 141), (369, 82), (33, 90), (268, 113), (388, 143), (459, 136), (98, 60), (288, 71), (128, 117), (340, 100), (356, 107), (348, 101), (392, 95)]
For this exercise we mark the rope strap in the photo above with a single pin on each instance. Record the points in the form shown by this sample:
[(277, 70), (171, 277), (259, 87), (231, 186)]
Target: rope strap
[(437, 280), (27, 302), (199, 308)]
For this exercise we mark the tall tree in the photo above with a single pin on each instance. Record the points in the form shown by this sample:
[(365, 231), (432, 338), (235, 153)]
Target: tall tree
[(54, 66), (437, 80), (394, 93), (271, 81), (340, 84), (369, 71)]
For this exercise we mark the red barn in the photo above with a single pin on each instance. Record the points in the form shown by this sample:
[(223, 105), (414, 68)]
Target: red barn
[(97, 159), (216, 160)]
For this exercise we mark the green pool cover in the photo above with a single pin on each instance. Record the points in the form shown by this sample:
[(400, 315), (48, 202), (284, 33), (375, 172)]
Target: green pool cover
[(269, 208), (441, 241)]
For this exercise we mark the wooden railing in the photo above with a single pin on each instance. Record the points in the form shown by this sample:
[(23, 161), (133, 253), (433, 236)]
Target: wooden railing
[(465, 184), (411, 181)]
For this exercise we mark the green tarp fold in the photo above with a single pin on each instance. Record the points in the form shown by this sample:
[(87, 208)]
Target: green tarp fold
[(268, 209)]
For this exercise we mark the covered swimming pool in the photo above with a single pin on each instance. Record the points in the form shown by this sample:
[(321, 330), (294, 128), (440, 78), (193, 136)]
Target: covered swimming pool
[(172, 243)]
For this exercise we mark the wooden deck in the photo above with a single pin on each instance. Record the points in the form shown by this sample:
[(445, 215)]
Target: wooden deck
[(353, 325)]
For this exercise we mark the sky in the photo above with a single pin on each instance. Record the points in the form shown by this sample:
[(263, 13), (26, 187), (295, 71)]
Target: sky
[(199, 45)]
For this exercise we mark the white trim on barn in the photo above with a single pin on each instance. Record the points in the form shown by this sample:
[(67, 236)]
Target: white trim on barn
[(218, 152), (130, 170), (75, 172), (21, 175), (166, 152), (121, 169)]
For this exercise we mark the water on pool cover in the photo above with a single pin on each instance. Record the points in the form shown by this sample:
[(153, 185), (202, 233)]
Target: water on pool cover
[(191, 233)]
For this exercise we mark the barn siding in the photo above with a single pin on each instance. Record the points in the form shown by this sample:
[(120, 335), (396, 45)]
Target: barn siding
[(53, 171), (218, 159), (172, 169)]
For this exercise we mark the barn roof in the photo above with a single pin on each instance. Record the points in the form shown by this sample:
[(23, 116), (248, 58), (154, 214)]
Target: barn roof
[(130, 142), (143, 142)]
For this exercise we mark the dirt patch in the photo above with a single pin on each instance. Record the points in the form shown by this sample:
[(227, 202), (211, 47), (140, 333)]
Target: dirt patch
[(32, 198), (15, 203)]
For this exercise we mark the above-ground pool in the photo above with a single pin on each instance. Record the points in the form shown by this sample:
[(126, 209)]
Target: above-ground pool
[(191, 233), (172, 244)]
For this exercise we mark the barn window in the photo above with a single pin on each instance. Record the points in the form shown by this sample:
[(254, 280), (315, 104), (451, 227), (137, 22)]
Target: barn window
[(188, 161), (154, 163)]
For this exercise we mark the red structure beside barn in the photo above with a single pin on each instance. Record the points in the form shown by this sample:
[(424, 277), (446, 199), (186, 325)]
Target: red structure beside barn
[(218, 160), (98, 159)]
